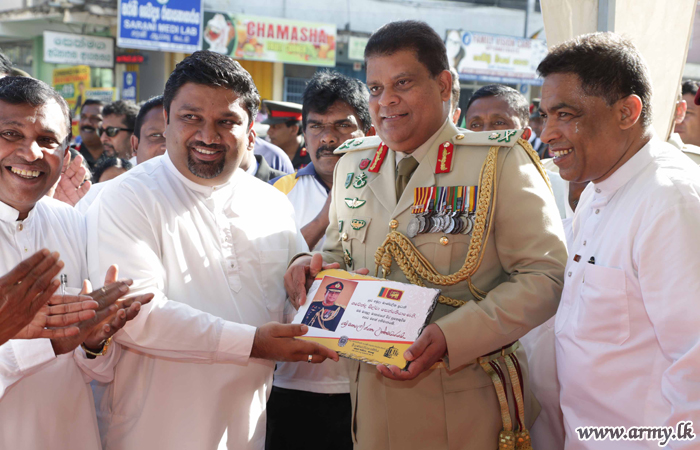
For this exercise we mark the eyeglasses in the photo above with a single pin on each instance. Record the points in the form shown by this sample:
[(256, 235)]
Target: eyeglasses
[(111, 131)]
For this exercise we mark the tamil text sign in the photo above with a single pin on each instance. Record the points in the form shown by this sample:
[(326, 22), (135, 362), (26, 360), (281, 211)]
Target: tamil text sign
[(166, 25), (270, 39), (78, 49), (495, 59)]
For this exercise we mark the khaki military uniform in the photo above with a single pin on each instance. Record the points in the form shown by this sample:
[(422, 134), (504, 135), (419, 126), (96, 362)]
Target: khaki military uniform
[(453, 406), (691, 151)]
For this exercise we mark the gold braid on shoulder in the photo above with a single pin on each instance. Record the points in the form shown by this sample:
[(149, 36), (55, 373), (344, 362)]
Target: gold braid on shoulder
[(418, 269)]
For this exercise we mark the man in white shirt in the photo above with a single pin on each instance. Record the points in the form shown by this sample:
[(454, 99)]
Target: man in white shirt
[(334, 109), (627, 329), (41, 384), (212, 243)]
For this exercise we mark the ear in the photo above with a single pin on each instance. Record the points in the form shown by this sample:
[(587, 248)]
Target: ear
[(134, 143), (629, 111), (444, 78), (455, 116), (372, 131), (66, 159), (251, 138), (681, 108)]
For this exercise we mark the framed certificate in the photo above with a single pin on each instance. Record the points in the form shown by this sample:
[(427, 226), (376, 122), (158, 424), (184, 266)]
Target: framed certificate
[(366, 318)]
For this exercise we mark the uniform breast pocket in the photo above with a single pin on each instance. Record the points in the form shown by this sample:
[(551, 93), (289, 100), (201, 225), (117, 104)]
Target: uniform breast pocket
[(353, 233), (274, 264), (603, 309)]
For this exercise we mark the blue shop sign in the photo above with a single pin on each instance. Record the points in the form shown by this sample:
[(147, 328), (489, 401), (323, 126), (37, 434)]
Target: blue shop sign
[(165, 25)]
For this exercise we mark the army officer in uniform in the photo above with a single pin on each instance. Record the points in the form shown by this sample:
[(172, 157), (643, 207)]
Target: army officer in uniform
[(469, 213), (326, 314)]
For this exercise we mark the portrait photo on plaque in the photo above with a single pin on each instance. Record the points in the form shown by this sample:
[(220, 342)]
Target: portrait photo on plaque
[(328, 305)]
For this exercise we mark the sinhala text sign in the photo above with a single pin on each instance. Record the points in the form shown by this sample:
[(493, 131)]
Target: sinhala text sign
[(78, 49), (493, 58), (166, 25), (270, 39)]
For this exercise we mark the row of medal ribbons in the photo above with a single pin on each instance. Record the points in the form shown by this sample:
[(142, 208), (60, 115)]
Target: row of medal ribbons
[(443, 209)]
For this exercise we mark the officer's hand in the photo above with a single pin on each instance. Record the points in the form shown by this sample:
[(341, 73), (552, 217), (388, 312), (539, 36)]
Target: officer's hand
[(300, 276), (428, 349), (275, 341)]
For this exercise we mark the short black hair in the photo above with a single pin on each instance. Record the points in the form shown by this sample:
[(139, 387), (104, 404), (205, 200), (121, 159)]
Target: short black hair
[(5, 65), (215, 70), (327, 87), (93, 101), (515, 100), (410, 35), (19, 90), (608, 65), (153, 102), (105, 163), (689, 87), (456, 90), (125, 108)]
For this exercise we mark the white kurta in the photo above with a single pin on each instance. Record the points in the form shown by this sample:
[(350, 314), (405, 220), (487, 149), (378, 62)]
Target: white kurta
[(45, 401), (628, 327), (308, 195), (215, 259)]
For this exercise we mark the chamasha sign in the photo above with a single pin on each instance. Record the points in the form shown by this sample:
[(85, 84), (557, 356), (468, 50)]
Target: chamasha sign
[(269, 39), (78, 49), (495, 59)]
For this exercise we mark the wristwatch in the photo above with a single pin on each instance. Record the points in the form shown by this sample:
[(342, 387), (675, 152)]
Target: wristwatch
[(104, 346)]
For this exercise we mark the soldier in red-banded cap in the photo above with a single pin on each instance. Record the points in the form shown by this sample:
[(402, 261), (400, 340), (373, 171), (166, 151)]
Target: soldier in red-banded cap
[(285, 131)]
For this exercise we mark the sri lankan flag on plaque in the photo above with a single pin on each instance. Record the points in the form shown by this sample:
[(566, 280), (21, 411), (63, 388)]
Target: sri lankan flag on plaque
[(391, 294)]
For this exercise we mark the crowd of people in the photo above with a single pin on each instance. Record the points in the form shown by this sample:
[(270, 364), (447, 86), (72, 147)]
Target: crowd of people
[(566, 304)]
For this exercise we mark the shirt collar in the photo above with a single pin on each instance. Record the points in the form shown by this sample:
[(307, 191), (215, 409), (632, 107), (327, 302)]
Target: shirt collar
[(309, 170), (206, 190), (8, 213), (421, 151), (628, 170)]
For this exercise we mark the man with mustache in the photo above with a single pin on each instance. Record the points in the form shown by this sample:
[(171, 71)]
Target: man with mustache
[(117, 128), (469, 213), (90, 146), (335, 109), (212, 244)]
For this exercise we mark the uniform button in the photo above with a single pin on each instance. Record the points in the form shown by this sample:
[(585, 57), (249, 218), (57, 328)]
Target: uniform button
[(444, 240), (459, 137), (597, 211), (569, 273), (344, 236), (20, 227), (394, 224)]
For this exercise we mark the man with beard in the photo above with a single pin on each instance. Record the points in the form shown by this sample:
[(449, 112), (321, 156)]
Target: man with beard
[(212, 244), (335, 109), (117, 128), (90, 146)]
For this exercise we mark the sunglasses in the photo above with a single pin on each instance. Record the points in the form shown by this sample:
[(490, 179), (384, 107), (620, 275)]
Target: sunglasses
[(111, 131)]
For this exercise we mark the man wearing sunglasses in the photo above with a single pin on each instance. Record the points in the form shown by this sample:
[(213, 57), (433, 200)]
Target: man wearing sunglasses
[(117, 127)]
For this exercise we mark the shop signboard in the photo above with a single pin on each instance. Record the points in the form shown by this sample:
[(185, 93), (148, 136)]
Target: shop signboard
[(493, 58), (164, 25), (356, 47), (270, 39), (129, 86), (105, 95), (78, 49)]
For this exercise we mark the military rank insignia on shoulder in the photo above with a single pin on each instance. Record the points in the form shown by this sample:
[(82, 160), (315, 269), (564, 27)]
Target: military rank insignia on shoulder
[(362, 143), (501, 138)]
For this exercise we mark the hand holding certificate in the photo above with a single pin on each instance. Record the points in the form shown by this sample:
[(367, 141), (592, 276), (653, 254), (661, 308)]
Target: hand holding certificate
[(365, 318)]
